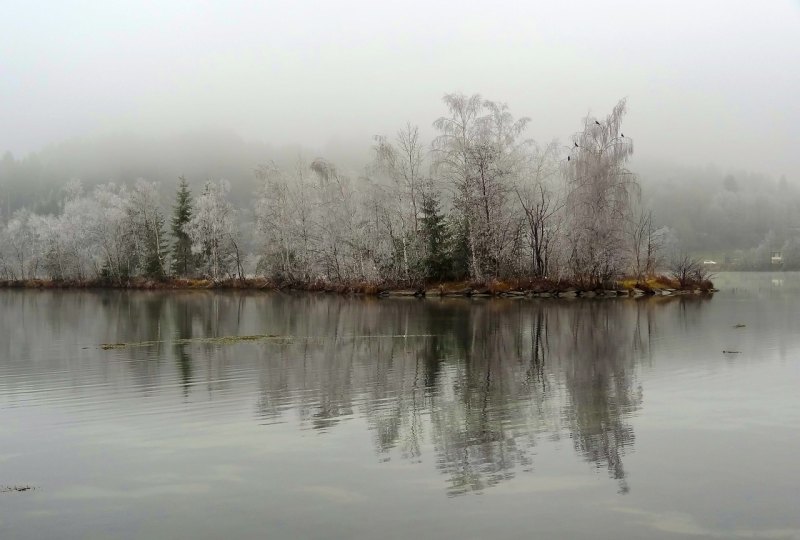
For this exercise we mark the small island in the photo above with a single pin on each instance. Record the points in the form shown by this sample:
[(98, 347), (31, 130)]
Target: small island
[(660, 285), (480, 211)]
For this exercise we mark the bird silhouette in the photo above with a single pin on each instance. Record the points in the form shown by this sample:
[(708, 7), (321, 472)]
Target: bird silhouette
[(623, 135), (596, 122), (576, 145), (567, 158)]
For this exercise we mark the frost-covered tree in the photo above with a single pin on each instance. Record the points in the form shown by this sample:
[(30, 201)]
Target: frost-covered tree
[(211, 230), (478, 154), (304, 201), (398, 168), (113, 233), (458, 133), (312, 224), (402, 162), (68, 244), (600, 191), (275, 223), (489, 205), (346, 252), (146, 222), (22, 245)]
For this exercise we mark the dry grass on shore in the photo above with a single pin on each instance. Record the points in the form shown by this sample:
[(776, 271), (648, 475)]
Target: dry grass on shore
[(651, 285)]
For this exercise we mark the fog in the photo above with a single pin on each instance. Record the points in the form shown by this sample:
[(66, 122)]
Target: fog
[(278, 112), (710, 83)]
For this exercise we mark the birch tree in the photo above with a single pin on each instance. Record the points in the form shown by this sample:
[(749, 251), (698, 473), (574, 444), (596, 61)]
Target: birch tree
[(345, 246), (399, 201), (147, 228), (477, 154), (496, 159), (305, 210), (21, 242), (458, 133), (600, 191), (275, 222), (112, 232), (211, 229)]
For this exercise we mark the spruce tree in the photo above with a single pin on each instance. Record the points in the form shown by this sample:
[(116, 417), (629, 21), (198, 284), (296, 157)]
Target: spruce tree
[(437, 262), (183, 259)]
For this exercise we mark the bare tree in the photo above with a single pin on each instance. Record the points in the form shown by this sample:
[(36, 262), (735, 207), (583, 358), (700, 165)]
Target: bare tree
[(478, 154), (688, 270), (600, 192), (541, 205), (644, 243), (458, 133), (345, 245), (211, 228), (146, 221), (112, 231), (274, 221), (497, 162), (403, 161), (398, 205), (21, 244)]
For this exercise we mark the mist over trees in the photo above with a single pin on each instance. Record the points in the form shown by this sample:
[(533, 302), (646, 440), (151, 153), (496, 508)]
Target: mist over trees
[(478, 201), (738, 219)]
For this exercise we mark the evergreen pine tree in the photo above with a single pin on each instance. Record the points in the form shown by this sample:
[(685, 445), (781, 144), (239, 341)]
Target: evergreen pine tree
[(183, 259), (437, 262)]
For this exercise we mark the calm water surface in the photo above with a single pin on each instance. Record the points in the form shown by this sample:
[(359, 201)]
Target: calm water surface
[(368, 418)]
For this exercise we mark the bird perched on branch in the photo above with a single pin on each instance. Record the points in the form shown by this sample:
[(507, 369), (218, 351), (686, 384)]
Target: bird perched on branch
[(576, 144), (596, 122), (623, 135), (567, 158)]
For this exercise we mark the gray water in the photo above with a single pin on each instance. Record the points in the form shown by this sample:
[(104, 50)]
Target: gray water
[(401, 418)]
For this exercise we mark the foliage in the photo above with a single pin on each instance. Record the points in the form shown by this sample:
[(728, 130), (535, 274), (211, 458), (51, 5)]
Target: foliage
[(437, 262), (183, 261)]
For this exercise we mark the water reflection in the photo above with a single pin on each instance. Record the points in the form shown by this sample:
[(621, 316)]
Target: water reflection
[(473, 385)]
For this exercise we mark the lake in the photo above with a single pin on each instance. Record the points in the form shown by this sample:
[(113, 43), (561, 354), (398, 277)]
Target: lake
[(346, 417)]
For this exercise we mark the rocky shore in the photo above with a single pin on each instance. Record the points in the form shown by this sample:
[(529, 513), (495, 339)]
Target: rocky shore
[(541, 288), (565, 293)]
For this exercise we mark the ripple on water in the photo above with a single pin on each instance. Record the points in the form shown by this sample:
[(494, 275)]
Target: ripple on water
[(396, 401)]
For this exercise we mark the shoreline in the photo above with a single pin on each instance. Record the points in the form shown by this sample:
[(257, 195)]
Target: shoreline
[(524, 288)]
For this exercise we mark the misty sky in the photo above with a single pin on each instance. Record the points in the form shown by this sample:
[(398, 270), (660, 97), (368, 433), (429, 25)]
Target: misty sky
[(707, 82)]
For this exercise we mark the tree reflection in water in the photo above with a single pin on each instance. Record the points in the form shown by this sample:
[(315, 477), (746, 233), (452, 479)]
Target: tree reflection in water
[(475, 385), (482, 381)]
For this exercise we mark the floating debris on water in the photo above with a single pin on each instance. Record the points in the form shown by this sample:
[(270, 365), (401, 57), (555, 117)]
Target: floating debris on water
[(107, 346), (11, 489), (230, 340), (222, 340)]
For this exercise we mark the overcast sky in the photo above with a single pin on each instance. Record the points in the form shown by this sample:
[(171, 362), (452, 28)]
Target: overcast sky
[(706, 81)]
